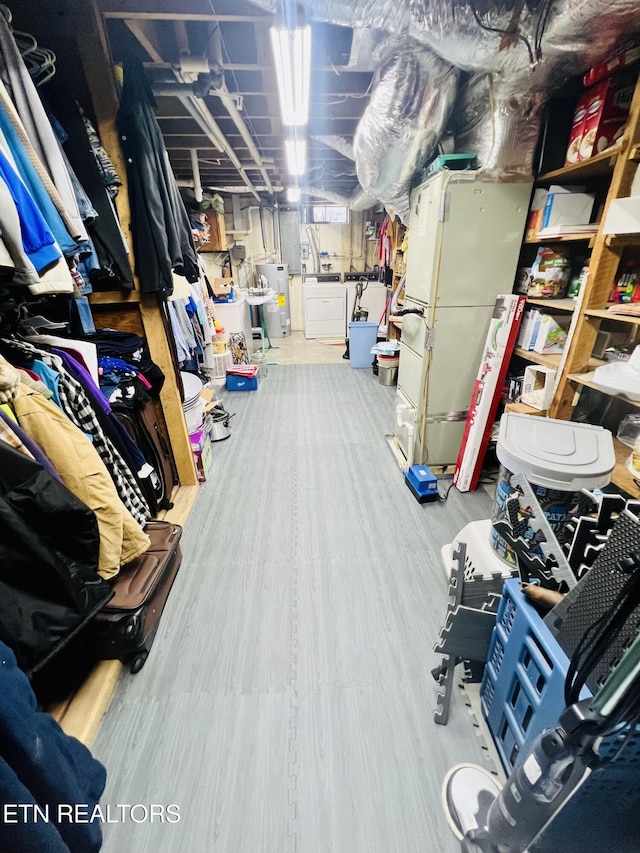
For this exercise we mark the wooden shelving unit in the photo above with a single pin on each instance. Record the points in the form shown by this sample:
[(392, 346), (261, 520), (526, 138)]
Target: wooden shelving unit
[(617, 166)]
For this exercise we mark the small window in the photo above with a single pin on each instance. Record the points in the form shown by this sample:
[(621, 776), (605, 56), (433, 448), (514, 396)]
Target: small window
[(329, 213)]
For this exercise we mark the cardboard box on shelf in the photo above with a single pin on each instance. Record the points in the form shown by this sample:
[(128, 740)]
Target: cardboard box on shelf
[(567, 207), (551, 334), (577, 128), (222, 288), (601, 113), (536, 211)]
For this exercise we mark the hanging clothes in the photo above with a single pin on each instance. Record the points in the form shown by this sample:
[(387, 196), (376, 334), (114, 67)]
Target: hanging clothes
[(41, 765), (78, 408), (33, 181), (161, 229), (110, 424), (83, 472), (105, 232), (49, 550), (32, 114), (36, 247), (24, 443)]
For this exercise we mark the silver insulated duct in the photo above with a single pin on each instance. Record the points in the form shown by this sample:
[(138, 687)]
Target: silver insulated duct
[(516, 53), (411, 100)]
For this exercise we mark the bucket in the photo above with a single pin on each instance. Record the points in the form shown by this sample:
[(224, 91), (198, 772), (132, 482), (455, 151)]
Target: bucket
[(387, 375), (558, 458), (362, 338)]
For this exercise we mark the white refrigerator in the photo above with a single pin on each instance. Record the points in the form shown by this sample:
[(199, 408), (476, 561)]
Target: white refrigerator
[(465, 235)]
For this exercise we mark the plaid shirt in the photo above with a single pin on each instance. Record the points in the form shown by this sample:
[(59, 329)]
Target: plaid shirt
[(77, 407)]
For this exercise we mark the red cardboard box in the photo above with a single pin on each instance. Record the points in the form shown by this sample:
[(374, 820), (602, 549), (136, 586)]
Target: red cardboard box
[(607, 113), (575, 137)]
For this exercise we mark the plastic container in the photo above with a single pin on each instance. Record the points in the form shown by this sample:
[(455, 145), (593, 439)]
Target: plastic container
[(558, 458), (522, 691), (362, 338), (260, 358)]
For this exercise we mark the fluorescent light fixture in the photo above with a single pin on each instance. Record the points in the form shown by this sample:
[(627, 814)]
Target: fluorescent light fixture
[(296, 151), (293, 195), (292, 57)]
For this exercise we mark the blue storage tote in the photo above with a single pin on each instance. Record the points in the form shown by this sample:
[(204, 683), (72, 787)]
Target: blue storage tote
[(362, 338), (522, 691), (242, 383)]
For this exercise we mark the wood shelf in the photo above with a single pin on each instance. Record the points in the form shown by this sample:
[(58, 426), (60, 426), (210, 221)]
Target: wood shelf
[(567, 304), (565, 238), (621, 241), (114, 297), (551, 359), (600, 166), (603, 314), (525, 409), (544, 359), (621, 476), (586, 379)]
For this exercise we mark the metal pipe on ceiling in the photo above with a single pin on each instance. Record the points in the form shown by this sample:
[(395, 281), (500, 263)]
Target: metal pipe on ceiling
[(215, 53), (147, 37), (197, 183), (206, 121)]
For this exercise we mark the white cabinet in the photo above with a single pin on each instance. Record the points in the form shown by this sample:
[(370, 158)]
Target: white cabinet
[(324, 310)]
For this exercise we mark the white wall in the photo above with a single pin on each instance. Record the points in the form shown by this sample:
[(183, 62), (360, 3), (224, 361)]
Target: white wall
[(344, 244)]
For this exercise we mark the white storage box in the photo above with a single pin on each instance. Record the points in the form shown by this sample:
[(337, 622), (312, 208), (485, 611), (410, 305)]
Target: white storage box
[(537, 388)]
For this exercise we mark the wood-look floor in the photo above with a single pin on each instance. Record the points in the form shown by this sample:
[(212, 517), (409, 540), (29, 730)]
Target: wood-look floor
[(287, 704)]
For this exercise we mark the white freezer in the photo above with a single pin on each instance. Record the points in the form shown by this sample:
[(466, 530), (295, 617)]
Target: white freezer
[(439, 382), (464, 239)]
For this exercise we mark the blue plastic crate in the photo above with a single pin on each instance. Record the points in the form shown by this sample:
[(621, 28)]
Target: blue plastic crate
[(242, 383), (522, 691)]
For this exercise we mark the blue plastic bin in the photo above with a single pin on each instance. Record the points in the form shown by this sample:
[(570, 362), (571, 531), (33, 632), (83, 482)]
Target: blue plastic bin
[(362, 338), (522, 691), (242, 383)]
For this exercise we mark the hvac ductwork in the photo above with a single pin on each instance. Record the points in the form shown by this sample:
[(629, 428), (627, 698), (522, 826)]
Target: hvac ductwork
[(516, 53), (360, 200), (411, 100)]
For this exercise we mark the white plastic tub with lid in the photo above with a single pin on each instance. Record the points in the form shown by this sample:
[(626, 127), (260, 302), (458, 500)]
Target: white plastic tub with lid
[(558, 458), (556, 454)]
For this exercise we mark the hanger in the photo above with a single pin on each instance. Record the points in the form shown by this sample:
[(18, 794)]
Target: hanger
[(40, 61)]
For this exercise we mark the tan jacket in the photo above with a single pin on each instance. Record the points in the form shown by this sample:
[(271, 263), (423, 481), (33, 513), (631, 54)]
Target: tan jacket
[(83, 473)]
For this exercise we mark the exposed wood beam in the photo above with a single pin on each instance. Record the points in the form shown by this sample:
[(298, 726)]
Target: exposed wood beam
[(147, 34)]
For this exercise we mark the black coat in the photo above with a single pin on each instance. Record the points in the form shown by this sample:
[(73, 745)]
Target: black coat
[(49, 544), (161, 229)]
